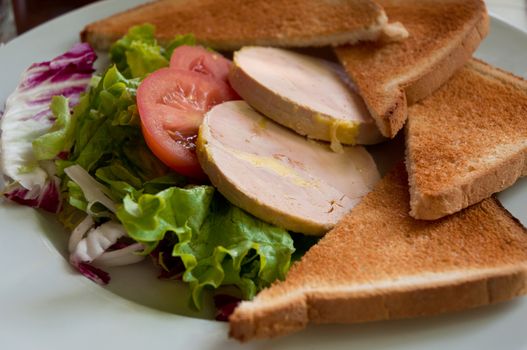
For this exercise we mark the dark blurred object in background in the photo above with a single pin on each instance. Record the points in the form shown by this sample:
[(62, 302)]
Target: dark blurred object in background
[(7, 21), (31, 13)]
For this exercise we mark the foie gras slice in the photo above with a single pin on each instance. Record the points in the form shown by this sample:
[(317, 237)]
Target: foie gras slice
[(276, 174), (303, 93)]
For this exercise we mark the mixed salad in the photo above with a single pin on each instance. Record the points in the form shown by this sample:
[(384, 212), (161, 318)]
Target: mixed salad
[(115, 160)]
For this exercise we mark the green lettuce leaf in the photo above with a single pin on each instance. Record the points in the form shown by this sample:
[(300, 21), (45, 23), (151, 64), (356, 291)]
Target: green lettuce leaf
[(120, 180), (218, 243), (60, 136), (143, 58), (138, 53), (106, 118), (70, 216), (76, 197), (142, 35), (108, 131), (159, 184), (178, 210), (179, 40), (104, 137), (77, 200), (234, 248)]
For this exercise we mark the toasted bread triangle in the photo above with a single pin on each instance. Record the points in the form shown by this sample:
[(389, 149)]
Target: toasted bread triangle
[(378, 263), (443, 36), (231, 24), (466, 141)]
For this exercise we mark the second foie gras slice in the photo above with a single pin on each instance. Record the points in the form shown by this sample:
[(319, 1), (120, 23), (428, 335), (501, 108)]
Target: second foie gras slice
[(303, 93), (278, 175)]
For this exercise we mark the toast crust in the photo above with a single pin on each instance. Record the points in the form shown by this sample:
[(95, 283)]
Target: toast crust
[(378, 264), (443, 36), (229, 25), (330, 306), (487, 129)]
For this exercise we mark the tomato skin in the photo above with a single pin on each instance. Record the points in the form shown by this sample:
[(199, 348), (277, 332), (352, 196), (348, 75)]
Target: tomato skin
[(171, 104), (200, 60)]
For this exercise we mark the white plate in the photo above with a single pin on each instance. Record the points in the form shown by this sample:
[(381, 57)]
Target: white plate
[(44, 304)]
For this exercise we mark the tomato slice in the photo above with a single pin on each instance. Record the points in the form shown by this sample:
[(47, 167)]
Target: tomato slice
[(171, 104), (200, 60)]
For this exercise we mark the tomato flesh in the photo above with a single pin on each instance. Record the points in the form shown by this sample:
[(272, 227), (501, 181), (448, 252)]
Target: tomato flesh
[(171, 104), (200, 60)]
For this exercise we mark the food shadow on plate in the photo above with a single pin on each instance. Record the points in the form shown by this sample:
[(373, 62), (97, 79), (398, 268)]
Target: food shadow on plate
[(388, 153), (138, 283), (471, 328), (513, 199)]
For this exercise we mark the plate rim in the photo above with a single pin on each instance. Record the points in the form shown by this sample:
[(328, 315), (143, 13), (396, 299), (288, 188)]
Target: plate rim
[(96, 289)]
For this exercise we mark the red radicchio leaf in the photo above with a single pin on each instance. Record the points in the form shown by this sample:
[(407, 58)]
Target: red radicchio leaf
[(225, 305)]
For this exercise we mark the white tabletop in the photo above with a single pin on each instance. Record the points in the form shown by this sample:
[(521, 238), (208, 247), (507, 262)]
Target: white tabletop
[(512, 11)]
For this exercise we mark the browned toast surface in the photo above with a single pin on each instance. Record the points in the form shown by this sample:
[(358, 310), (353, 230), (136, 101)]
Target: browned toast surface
[(443, 36), (379, 263), (466, 141), (230, 24)]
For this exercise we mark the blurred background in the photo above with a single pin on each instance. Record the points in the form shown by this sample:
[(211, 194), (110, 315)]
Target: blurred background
[(18, 16)]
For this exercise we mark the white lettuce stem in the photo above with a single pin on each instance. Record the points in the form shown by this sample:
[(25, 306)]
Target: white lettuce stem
[(93, 191), (89, 245), (78, 233), (124, 256), (96, 242)]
